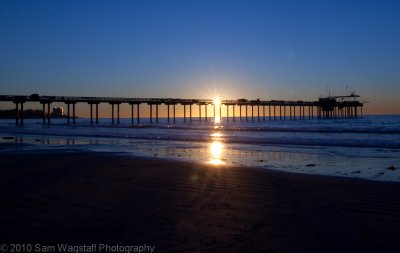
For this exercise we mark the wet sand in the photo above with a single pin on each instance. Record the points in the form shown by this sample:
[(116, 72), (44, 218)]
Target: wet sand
[(179, 206)]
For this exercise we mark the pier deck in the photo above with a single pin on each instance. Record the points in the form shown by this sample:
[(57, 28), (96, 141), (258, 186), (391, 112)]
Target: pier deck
[(323, 108)]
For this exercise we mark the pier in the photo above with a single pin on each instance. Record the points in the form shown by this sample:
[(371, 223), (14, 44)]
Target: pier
[(332, 107)]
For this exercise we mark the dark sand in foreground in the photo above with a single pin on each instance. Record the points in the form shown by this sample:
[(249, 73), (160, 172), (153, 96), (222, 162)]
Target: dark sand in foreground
[(177, 206)]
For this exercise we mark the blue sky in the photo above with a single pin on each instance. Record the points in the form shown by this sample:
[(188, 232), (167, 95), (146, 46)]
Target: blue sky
[(199, 49)]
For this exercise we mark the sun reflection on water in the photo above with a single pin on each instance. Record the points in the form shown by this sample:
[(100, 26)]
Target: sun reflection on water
[(217, 105)]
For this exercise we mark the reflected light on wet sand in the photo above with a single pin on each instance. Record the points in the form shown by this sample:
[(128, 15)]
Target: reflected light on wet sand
[(216, 149), (216, 152)]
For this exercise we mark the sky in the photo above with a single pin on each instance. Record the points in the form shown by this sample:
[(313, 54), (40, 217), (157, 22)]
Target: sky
[(281, 50)]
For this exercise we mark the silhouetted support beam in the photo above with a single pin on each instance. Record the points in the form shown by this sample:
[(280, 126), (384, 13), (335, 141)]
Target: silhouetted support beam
[(132, 114), (174, 112), (22, 114), (44, 113), (205, 112), (294, 112), (190, 113), (227, 113), (48, 113), (138, 113), (168, 112), (274, 113), (320, 112), (258, 112), (200, 112), (151, 114), (157, 113), (68, 114), (309, 112), (290, 112), (73, 113), (19, 113), (284, 112), (312, 112), (240, 112), (184, 113), (280, 112), (252, 112), (263, 112), (97, 113), (91, 114), (117, 113), (269, 112), (112, 113), (317, 112), (355, 112), (16, 114)]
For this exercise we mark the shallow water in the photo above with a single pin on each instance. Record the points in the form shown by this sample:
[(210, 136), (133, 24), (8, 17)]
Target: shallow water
[(363, 147)]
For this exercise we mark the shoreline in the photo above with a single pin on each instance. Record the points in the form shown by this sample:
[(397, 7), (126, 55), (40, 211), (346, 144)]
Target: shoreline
[(302, 159), (183, 206)]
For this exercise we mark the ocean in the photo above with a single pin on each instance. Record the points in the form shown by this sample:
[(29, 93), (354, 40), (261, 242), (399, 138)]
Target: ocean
[(367, 147)]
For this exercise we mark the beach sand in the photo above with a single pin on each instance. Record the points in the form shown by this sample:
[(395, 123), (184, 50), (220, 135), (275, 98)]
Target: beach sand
[(179, 206)]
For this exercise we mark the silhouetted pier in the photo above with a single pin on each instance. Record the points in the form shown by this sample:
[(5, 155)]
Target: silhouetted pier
[(332, 107)]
